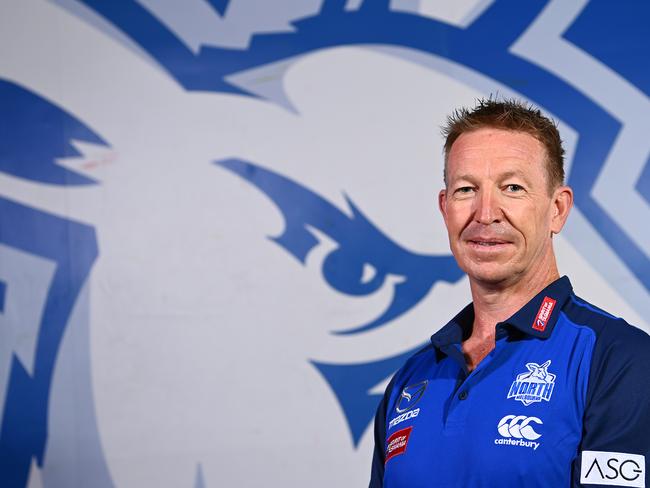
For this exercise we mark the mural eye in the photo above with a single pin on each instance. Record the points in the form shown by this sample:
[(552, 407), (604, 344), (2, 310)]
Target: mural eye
[(346, 267), (352, 254)]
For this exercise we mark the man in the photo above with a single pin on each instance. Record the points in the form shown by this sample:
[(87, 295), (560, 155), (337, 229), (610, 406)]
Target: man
[(529, 385)]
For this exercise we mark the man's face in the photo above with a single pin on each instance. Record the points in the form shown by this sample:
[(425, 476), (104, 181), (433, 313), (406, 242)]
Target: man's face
[(497, 208)]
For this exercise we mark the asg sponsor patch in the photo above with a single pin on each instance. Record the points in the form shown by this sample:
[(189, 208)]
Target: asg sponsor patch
[(544, 313), (612, 468), (397, 442)]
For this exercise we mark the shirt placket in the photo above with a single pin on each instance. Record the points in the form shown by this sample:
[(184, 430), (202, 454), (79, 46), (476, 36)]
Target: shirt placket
[(462, 400)]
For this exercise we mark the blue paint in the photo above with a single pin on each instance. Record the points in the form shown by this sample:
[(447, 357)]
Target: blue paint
[(34, 133), (220, 6), (73, 247), (617, 34), (3, 294), (643, 184)]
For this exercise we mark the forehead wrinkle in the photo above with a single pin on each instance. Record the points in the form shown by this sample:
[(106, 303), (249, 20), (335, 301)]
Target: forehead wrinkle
[(490, 165), (498, 177), (478, 154)]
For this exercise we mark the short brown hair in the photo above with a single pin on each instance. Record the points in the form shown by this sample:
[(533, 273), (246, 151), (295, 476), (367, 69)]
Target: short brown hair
[(511, 115)]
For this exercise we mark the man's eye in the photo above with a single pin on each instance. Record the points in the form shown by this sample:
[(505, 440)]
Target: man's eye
[(465, 190), (514, 188)]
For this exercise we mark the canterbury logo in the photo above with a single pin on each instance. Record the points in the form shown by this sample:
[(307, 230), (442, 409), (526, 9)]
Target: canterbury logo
[(518, 426)]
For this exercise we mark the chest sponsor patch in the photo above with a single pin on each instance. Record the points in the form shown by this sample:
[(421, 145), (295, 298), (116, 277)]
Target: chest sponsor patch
[(411, 396), (397, 442), (411, 414), (612, 468), (534, 385)]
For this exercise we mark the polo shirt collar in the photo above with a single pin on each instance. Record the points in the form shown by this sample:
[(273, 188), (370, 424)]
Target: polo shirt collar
[(537, 318)]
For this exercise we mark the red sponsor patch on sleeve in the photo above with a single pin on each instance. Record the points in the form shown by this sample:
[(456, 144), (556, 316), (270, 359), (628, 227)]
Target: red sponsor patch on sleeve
[(396, 443), (545, 311)]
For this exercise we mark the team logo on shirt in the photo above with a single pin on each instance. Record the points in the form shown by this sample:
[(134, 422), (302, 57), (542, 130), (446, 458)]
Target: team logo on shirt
[(533, 386), (410, 396)]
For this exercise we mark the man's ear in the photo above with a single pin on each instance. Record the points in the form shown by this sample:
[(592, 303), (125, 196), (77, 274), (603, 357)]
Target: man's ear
[(442, 203), (562, 203)]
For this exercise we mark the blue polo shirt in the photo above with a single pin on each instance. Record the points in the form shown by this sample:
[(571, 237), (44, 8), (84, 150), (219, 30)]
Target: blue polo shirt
[(563, 400)]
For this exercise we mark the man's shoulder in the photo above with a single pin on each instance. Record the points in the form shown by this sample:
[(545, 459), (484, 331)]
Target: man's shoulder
[(613, 334), (417, 360), (423, 355)]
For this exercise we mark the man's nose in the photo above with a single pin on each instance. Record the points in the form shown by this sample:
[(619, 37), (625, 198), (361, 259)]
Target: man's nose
[(487, 209)]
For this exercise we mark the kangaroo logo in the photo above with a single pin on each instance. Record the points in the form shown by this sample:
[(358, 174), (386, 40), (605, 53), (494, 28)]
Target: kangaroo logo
[(534, 386)]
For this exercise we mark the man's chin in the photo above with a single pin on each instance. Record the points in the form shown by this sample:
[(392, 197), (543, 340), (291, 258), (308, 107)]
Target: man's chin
[(492, 274)]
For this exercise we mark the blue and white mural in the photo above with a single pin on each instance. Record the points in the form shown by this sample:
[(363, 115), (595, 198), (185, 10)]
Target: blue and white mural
[(218, 226)]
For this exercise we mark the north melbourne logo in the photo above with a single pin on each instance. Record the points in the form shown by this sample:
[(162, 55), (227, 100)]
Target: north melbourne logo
[(516, 430), (535, 385)]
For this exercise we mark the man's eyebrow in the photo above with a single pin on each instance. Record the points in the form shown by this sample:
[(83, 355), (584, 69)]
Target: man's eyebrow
[(464, 176), (510, 174), (502, 176)]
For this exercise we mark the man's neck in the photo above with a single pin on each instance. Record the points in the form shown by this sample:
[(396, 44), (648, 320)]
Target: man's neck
[(494, 304)]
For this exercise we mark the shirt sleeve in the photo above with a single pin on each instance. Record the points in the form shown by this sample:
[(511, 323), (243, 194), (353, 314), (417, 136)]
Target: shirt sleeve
[(379, 453), (615, 442)]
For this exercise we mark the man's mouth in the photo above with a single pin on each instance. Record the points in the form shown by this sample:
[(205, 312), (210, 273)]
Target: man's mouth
[(486, 244)]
